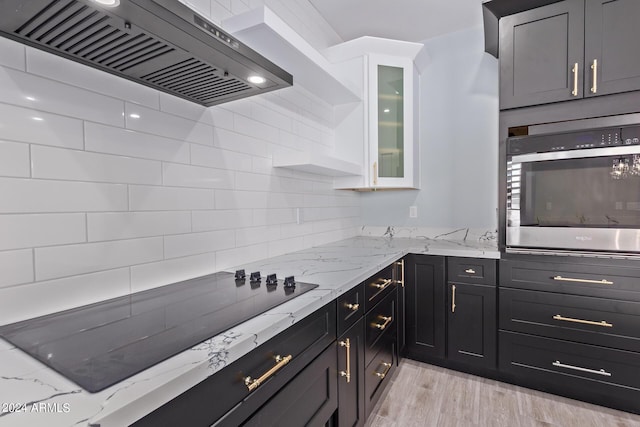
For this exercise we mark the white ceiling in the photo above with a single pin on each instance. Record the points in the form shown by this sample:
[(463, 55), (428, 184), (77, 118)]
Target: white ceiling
[(409, 20)]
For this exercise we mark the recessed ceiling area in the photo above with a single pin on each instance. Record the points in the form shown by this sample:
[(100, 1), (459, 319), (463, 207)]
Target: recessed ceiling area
[(409, 20)]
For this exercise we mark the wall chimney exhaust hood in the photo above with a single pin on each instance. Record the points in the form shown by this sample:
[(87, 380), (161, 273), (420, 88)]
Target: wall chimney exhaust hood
[(159, 43)]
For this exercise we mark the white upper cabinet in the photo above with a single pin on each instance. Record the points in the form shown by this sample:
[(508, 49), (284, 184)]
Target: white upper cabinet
[(379, 132)]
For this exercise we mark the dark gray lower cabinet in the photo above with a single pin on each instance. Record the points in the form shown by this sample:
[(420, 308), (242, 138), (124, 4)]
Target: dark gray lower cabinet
[(471, 329), (351, 376)]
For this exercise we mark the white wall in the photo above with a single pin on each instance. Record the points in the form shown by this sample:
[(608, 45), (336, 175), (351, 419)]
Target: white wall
[(108, 187), (458, 141)]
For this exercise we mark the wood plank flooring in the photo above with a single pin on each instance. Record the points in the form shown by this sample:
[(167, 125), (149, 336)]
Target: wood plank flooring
[(423, 395)]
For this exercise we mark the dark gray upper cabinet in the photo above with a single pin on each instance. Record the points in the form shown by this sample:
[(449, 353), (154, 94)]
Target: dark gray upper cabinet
[(612, 51), (539, 50), (569, 50)]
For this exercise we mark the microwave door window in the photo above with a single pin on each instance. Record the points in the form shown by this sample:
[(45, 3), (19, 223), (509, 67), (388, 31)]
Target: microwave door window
[(587, 192)]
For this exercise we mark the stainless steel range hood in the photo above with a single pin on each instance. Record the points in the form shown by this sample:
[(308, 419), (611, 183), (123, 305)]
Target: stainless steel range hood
[(159, 43)]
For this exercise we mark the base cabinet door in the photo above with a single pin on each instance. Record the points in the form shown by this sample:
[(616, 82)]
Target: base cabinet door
[(472, 334), (310, 399), (425, 307), (351, 376)]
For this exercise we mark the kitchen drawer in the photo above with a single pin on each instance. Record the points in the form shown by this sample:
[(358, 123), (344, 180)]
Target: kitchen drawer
[(589, 372), (310, 398), (303, 341), (350, 308), (377, 286), (594, 277), (380, 322), (606, 322), (379, 371), (472, 270)]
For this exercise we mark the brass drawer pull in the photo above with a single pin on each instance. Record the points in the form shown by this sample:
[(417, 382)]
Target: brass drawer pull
[(375, 173), (381, 375), (280, 362), (347, 374), (401, 264), (384, 284), (353, 307), (569, 279), (382, 326), (594, 67), (470, 271), (453, 298), (578, 368), (574, 70), (586, 322)]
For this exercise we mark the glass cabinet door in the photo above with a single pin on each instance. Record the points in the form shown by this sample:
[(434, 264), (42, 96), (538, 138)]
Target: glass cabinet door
[(391, 122)]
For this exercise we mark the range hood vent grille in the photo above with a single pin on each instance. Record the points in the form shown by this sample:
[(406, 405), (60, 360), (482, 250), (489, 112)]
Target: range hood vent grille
[(88, 34)]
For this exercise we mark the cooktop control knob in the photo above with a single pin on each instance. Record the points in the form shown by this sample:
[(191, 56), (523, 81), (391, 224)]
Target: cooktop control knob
[(289, 282), (272, 280), (255, 277), (240, 275)]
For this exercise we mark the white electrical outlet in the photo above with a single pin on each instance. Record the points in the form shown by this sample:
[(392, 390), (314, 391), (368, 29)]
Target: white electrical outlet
[(413, 212)]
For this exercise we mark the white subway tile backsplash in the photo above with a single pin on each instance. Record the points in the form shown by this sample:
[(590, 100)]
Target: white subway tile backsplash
[(203, 7), (234, 141), (61, 163), (229, 199), (221, 219), (37, 299), (16, 268), (252, 235), (147, 276), (28, 90), (128, 225), (215, 116), (271, 117), (107, 139), (12, 53), (239, 6), (239, 256), (26, 125), (281, 247), (61, 69), (26, 231), (32, 196), (273, 216), (14, 159), (167, 125), (198, 243), (196, 176), (220, 159), (147, 198), (61, 261), (252, 181), (255, 129), (294, 230)]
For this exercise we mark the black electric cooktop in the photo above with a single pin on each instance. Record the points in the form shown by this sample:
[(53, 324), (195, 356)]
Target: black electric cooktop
[(100, 344)]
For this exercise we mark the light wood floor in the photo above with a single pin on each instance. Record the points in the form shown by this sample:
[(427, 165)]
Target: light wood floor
[(423, 395)]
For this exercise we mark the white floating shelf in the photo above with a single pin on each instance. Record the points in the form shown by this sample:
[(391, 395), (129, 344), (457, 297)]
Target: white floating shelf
[(264, 31), (318, 164)]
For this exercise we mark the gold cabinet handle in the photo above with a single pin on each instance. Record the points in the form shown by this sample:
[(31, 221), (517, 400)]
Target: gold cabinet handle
[(382, 326), (586, 322), (347, 345), (594, 67), (381, 375), (574, 70), (383, 284), (375, 173), (569, 279), (470, 271), (353, 307), (578, 368), (453, 298), (280, 362), (401, 264)]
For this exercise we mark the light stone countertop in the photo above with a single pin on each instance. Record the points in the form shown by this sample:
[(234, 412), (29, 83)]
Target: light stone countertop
[(335, 267)]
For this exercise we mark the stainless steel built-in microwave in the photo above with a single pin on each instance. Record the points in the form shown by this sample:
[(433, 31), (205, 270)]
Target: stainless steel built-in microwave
[(576, 190)]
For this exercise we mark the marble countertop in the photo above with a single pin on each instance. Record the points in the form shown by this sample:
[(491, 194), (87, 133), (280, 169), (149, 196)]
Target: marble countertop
[(32, 394)]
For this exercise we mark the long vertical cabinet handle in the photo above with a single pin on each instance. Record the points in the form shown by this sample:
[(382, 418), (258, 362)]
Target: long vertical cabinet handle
[(375, 173), (594, 67), (453, 298), (574, 70), (401, 264), (347, 374)]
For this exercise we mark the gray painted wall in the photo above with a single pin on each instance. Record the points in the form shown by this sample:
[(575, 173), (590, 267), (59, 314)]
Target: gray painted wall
[(458, 141)]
